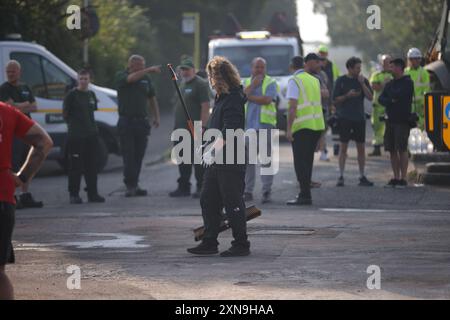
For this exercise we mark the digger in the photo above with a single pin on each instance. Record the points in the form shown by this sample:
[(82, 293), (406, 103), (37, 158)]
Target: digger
[(437, 104)]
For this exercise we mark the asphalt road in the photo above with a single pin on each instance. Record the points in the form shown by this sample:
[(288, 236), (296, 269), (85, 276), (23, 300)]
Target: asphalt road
[(136, 248)]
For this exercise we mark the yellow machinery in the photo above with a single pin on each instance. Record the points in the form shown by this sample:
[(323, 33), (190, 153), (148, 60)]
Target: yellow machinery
[(437, 102)]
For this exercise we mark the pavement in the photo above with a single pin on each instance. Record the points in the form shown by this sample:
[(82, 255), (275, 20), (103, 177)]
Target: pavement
[(136, 248)]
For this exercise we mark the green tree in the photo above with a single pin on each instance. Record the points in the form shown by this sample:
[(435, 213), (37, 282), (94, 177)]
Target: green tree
[(405, 24)]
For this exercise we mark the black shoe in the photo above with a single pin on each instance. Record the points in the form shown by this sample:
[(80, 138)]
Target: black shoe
[(266, 198), (141, 192), (204, 249), (376, 152), (236, 251), (300, 201), (248, 197), (197, 193), (135, 192), (76, 200), (392, 183), (27, 201), (402, 184), (19, 205), (340, 182), (364, 182), (180, 193), (96, 199)]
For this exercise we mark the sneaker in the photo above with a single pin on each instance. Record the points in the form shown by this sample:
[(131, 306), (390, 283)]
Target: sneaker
[(364, 182), (236, 251), (204, 249), (300, 201), (402, 184), (324, 157), (96, 199), (248, 197), (392, 183), (27, 201), (180, 193), (340, 182), (266, 198), (76, 200)]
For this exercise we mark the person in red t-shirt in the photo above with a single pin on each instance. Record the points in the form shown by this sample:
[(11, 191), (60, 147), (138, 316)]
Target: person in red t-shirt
[(14, 123)]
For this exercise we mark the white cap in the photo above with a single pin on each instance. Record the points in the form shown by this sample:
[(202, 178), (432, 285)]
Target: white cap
[(414, 53)]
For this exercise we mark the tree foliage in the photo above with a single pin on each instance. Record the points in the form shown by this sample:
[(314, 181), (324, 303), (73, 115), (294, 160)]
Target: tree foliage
[(404, 24)]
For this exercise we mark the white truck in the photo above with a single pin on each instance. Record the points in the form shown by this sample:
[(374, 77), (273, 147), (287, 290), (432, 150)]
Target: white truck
[(49, 79), (277, 50)]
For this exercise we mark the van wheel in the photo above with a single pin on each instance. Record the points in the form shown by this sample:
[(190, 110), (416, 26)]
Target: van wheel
[(102, 157)]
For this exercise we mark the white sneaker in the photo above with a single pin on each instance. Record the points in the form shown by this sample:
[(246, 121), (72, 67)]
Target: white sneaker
[(324, 157)]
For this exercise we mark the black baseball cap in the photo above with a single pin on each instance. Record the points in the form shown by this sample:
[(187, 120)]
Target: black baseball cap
[(313, 56)]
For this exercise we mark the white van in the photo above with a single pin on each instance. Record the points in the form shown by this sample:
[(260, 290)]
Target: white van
[(49, 79), (276, 50)]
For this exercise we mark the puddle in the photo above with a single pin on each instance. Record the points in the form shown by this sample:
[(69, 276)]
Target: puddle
[(282, 232)]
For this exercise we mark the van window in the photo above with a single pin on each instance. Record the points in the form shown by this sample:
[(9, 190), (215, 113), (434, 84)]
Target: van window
[(45, 79)]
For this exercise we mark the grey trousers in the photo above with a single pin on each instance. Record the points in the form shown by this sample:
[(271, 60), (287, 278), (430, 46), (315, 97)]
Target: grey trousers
[(250, 174)]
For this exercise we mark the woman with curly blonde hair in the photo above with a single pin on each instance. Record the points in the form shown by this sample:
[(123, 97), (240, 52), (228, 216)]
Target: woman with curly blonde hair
[(223, 183)]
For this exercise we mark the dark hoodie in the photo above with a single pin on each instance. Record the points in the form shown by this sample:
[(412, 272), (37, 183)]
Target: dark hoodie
[(397, 98), (229, 113)]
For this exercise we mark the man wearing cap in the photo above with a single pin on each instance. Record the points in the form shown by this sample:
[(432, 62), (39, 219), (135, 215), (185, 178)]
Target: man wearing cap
[(196, 94), (329, 67), (313, 65), (305, 123), (378, 80), (421, 79), (137, 101), (260, 114)]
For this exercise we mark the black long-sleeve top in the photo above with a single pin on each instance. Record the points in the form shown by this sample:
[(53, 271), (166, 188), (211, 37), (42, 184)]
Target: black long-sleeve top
[(397, 98), (229, 113)]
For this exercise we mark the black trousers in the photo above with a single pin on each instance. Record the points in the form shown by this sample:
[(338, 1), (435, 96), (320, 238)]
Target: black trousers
[(224, 189), (303, 147), (83, 161), (133, 134), (7, 221), (185, 170)]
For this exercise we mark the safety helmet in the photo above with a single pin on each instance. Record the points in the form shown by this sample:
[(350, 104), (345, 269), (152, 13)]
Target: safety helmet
[(414, 53)]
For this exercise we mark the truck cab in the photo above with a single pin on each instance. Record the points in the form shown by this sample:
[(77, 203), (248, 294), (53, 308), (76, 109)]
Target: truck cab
[(50, 79), (276, 50)]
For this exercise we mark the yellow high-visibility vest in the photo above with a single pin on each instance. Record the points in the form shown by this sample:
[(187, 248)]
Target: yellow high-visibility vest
[(309, 113), (268, 114)]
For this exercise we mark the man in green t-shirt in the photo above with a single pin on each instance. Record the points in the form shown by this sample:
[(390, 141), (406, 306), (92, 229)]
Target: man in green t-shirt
[(378, 80), (19, 95), (82, 143), (196, 94), (137, 102)]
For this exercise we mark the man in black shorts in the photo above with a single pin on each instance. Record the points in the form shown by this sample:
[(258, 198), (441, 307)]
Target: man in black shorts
[(14, 123), (350, 90), (397, 98)]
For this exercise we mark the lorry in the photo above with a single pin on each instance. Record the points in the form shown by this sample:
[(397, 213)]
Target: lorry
[(49, 79), (277, 50)]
